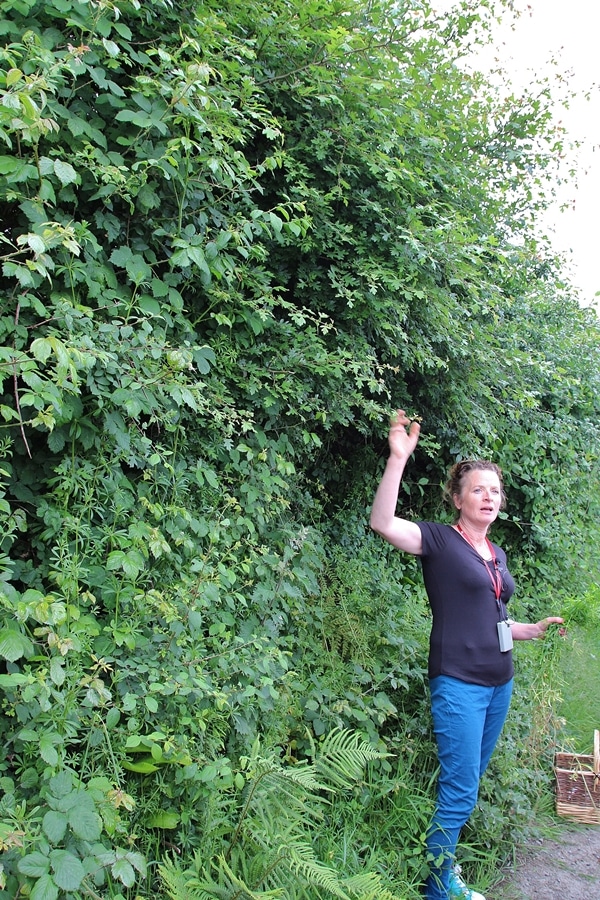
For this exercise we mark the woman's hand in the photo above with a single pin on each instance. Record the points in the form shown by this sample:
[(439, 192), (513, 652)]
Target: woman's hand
[(543, 624), (399, 532), (402, 442), (529, 631)]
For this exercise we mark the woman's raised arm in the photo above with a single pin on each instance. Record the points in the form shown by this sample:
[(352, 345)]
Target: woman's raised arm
[(399, 532)]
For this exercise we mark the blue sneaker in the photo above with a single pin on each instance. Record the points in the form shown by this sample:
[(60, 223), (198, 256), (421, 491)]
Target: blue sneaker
[(457, 889)]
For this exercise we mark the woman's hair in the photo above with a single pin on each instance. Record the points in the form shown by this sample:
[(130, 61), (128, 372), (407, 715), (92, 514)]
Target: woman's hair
[(461, 469)]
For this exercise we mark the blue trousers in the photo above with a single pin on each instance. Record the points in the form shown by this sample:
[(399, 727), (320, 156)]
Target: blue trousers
[(467, 721)]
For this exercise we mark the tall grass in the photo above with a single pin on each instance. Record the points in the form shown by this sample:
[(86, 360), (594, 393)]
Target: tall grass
[(580, 670), (579, 708)]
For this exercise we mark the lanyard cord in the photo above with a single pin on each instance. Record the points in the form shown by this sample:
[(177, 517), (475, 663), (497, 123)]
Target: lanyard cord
[(494, 573)]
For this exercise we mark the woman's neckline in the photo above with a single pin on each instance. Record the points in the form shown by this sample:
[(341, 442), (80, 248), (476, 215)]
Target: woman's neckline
[(486, 554)]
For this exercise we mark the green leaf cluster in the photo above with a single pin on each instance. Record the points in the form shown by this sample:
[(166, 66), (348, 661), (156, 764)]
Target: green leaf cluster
[(278, 808), (235, 236)]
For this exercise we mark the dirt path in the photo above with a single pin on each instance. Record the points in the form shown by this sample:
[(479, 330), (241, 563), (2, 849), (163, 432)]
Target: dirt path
[(564, 866)]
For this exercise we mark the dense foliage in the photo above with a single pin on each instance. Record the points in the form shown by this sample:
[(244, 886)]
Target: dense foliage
[(235, 235)]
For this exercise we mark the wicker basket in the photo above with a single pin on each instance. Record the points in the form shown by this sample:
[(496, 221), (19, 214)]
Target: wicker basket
[(578, 785)]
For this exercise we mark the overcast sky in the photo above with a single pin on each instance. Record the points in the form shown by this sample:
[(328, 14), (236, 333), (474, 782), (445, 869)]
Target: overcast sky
[(570, 31)]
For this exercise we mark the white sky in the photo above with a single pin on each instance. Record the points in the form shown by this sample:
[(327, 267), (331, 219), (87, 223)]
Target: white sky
[(570, 31)]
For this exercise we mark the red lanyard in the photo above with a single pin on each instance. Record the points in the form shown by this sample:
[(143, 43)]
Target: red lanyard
[(495, 576)]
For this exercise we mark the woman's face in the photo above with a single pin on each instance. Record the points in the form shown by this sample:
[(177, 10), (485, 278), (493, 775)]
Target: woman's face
[(480, 498)]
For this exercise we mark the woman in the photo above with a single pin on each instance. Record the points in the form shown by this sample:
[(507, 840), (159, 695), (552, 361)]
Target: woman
[(470, 657)]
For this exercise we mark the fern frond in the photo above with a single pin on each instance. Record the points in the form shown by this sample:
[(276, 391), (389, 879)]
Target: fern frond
[(186, 885), (279, 798), (269, 855), (367, 886), (239, 890), (342, 756), (288, 794), (178, 883), (302, 773), (302, 861)]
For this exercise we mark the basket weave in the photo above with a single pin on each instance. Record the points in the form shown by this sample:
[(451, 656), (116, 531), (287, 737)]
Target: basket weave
[(578, 785)]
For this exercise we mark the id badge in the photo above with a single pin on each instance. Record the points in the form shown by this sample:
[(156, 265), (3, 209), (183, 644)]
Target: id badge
[(505, 638)]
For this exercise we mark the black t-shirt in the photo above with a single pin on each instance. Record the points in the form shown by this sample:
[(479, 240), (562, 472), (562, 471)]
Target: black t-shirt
[(464, 637)]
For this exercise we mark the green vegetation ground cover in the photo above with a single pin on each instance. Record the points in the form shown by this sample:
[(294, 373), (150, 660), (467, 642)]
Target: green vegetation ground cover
[(235, 236), (580, 675)]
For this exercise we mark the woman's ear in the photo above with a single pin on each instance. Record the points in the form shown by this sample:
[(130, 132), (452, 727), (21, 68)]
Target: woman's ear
[(456, 500)]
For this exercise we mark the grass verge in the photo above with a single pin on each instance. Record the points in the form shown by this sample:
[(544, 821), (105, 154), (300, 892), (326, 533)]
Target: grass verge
[(581, 688)]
